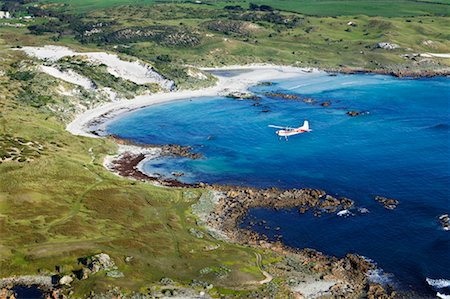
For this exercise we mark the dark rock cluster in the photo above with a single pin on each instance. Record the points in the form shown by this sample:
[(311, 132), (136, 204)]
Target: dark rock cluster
[(350, 271), (388, 203)]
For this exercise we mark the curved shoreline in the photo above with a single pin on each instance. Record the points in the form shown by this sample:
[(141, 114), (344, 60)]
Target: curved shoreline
[(350, 273), (224, 86)]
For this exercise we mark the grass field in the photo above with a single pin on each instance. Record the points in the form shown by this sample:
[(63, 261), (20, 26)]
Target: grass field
[(316, 41), (384, 8), (63, 204)]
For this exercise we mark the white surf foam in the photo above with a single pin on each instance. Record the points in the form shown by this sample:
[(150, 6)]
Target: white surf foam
[(438, 283), (344, 213), (379, 276), (443, 296)]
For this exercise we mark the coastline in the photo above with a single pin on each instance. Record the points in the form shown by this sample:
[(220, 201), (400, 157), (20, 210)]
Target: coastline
[(348, 276), (225, 85)]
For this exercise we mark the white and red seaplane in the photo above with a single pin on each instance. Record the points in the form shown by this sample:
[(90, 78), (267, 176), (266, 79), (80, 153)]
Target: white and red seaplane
[(288, 131)]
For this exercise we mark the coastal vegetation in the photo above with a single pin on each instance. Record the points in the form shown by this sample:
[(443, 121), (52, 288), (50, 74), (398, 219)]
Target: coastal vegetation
[(58, 203), (212, 34)]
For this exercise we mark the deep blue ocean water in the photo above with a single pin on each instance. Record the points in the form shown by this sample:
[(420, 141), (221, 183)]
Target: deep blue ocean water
[(399, 149)]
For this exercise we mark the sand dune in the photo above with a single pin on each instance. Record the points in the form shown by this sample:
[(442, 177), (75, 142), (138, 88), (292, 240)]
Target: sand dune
[(135, 71)]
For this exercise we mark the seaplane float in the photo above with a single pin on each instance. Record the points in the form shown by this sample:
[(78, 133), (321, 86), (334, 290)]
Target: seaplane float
[(289, 131)]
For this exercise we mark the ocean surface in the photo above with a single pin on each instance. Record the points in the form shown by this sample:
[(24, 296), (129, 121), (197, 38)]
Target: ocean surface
[(399, 148)]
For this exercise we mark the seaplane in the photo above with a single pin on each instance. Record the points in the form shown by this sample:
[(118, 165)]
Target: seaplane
[(288, 131)]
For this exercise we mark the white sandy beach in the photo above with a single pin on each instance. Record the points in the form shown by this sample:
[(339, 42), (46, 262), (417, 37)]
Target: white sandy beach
[(254, 74), (141, 73)]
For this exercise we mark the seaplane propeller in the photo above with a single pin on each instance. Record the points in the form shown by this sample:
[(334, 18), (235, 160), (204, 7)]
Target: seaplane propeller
[(288, 131)]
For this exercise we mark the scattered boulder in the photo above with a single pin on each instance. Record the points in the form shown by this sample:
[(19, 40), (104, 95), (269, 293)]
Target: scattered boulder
[(212, 247), (353, 113), (100, 262), (129, 259), (115, 274), (175, 150), (238, 95), (265, 83), (387, 46), (388, 203), (376, 291), (429, 43), (66, 280), (444, 220), (285, 96), (165, 281), (196, 233), (82, 273)]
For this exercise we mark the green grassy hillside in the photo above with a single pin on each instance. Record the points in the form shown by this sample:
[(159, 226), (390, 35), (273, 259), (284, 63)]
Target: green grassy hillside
[(59, 203), (383, 8)]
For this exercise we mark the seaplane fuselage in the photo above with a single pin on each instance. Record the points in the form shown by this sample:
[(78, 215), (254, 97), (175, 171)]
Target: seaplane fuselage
[(287, 131), (291, 132)]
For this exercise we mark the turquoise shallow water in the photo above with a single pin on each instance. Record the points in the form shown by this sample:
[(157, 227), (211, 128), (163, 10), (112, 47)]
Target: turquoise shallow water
[(399, 149)]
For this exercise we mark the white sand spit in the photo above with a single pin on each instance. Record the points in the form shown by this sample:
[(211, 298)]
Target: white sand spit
[(135, 71), (68, 76)]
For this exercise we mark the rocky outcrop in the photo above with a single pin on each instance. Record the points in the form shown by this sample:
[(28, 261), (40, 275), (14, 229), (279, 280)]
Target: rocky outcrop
[(43, 281), (166, 150), (100, 262), (285, 96), (45, 284), (387, 46), (348, 276), (388, 203), (175, 150), (96, 263), (397, 72), (353, 113), (238, 95), (444, 220), (231, 209), (376, 291), (66, 280)]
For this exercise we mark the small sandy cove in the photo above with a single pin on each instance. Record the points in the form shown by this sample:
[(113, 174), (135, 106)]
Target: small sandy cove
[(250, 75)]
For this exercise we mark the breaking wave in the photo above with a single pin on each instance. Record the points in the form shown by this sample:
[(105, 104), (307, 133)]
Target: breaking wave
[(443, 296), (438, 283), (380, 277)]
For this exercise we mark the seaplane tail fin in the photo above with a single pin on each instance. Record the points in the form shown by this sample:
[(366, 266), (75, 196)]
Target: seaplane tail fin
[(305, 126)]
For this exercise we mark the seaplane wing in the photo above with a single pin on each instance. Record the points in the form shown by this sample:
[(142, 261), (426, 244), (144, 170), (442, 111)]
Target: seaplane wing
[(287, 131), (277, 127)]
